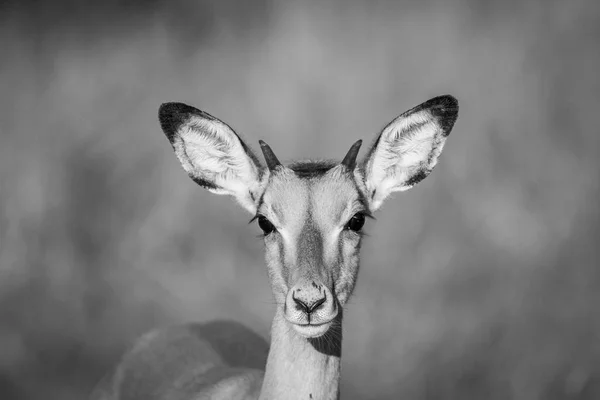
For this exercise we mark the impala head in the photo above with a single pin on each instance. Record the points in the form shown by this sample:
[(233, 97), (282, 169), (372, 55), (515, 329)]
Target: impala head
[(311, 213)]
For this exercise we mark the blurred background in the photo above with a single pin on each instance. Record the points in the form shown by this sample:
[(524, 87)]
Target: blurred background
[(483, 282)]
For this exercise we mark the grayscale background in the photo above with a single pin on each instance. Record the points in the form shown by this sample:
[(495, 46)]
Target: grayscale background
[(483, 282)]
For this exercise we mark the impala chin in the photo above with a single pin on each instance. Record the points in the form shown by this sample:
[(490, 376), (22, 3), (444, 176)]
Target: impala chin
[(318, 325), (311, 331)]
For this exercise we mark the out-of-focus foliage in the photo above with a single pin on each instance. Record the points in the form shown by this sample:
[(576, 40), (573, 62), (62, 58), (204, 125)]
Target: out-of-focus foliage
[(483, 282)]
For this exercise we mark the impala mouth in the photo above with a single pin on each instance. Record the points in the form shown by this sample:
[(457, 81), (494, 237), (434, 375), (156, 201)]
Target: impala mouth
[(312, 330)]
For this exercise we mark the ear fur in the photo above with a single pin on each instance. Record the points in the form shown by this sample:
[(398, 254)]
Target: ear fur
[(211, 153), (408, 148)]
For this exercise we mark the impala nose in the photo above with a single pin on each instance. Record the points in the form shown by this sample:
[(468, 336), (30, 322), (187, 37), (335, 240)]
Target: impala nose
[(310, 303)]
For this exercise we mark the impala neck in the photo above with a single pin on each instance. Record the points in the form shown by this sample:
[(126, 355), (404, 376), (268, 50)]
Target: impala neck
[(300, 368)]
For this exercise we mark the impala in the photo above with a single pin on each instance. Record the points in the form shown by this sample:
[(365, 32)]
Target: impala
[(312, 215)]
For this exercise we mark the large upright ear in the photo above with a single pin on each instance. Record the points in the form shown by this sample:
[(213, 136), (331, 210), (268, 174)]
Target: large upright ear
[(408, 148), (212, 154)]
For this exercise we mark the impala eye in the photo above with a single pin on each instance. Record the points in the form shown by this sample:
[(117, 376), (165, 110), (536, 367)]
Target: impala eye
[(265, 225), (356, 222)]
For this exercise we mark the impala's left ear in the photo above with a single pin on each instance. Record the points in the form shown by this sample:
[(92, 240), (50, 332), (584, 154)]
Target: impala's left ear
[(408, 148)]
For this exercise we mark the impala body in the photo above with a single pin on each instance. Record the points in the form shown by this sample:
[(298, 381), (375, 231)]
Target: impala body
[(312, 215)]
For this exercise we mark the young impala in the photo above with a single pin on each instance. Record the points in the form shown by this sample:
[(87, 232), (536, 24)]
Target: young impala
[(312, 214)]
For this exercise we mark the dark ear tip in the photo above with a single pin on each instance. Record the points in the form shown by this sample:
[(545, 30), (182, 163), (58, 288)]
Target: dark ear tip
[(442, 105), (445, 108), (172, 115), (167, 110), (446, 99)]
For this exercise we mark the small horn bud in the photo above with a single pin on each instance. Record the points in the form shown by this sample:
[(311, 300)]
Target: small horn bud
[(270, 158), (350, 160)]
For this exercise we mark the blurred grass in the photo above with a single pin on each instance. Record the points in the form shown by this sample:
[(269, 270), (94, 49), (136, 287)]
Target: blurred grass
[(481, 283)]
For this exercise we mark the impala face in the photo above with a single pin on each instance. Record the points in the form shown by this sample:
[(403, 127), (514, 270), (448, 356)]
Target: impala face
[(311, 213)]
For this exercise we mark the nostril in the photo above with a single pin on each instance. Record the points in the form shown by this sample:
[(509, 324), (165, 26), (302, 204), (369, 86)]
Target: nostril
[(301, 306), (318, 304)]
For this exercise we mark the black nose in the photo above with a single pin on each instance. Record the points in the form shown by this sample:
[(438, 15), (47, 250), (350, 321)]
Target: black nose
[(309, 306)]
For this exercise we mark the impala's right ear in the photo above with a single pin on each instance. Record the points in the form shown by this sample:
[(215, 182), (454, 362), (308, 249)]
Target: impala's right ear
[(212, 154)]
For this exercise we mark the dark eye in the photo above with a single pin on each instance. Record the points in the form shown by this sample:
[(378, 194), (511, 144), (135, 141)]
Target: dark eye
[(265, 225), (356, 222)]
